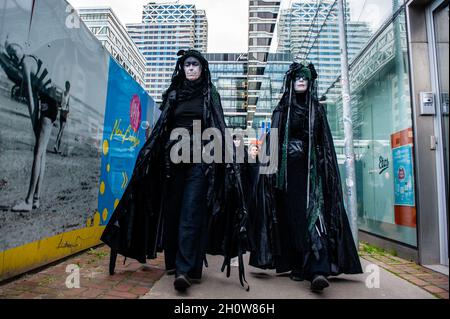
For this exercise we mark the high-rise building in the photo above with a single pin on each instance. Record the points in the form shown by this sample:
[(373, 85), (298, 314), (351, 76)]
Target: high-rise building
[(270, 92), (263, 16), (201, 31), (309, 30), (167, 28), (105, 25)]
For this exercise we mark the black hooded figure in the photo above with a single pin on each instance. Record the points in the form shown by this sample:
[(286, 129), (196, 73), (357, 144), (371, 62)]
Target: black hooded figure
[(300, 223), (184, 209)]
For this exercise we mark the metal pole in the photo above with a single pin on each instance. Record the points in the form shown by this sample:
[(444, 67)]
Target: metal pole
[(350, 178)]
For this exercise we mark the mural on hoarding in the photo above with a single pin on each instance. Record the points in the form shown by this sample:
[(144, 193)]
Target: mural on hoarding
[(71, 119)]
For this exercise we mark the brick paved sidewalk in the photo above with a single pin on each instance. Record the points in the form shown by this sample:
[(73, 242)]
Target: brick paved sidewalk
[(432, 281), (131, 280), (134, 280)]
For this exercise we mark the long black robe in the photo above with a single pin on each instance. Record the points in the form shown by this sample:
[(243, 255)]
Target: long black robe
[(135, 228), (270, 221)]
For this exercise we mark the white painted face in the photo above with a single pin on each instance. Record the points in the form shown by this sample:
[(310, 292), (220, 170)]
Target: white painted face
[(300, 85), (237, 142), (253, 151), (192, 69)]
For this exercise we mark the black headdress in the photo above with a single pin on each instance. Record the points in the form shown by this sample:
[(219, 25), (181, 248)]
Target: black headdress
[(295, 71)]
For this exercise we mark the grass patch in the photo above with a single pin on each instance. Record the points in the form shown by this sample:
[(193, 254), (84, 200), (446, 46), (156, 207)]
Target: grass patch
[(370, 249), (374, 250)]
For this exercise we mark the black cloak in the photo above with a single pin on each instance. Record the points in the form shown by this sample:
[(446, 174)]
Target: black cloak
[(135, 228), (268, 221)]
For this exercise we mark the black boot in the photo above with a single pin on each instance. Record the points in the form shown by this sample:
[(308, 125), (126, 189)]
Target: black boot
[(319, 283), (182, 282)]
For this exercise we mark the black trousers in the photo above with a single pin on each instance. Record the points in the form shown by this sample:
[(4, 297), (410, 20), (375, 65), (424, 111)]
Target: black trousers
[(185, 219), (302, 261)]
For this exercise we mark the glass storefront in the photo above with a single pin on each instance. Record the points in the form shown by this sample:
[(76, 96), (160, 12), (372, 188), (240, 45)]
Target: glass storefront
[(383, 134)]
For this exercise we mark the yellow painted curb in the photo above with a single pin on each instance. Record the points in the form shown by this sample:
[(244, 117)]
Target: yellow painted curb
[(21, 259)]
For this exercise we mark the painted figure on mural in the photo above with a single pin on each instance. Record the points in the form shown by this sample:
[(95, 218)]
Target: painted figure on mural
[(30, 78), (63, 114), (32, 82), (184, 209), (302, 226)]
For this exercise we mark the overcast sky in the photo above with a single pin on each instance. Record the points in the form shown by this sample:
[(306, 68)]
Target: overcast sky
[(228, 19)]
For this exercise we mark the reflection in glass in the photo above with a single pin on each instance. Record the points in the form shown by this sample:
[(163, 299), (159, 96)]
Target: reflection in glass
[(382, 122)]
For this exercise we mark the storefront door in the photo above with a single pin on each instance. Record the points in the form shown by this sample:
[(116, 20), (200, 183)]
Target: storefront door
[(438, 26)]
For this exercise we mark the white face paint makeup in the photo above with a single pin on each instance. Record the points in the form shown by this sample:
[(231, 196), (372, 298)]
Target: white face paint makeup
[(192, 69), (300, 85)]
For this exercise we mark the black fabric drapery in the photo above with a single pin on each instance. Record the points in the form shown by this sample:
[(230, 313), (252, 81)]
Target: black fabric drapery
[(324, 196)]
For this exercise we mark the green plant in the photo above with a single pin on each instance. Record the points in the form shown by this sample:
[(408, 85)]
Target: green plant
[(370, 249)]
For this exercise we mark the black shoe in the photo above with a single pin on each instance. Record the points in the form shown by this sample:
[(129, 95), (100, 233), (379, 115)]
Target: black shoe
[(181, 282), (319, 283)]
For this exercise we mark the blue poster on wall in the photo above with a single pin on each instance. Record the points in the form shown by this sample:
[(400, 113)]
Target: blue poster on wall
[(403, 176), (127, 114)]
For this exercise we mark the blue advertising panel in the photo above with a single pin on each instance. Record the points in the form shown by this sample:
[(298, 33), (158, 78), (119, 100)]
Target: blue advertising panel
[(128, 110)]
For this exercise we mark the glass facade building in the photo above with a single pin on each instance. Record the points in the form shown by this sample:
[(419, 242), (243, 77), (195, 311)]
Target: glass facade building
[(270, 92), (167, 28), (229, 75), (309, 31), (383, 132)]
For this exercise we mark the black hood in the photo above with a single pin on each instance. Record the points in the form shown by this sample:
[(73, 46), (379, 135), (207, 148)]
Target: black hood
[(179, 77)]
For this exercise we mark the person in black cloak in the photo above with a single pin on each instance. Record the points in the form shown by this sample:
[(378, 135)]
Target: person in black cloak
[(184, 209), (300, 223), (251, 174), (239, 150), (253, 167)]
